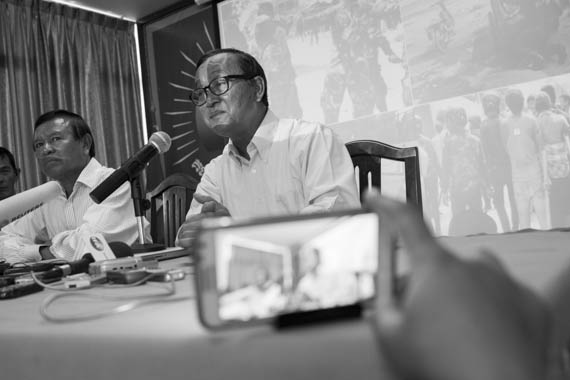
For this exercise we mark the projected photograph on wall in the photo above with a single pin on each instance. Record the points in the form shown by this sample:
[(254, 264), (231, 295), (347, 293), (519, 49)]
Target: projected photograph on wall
[(328, 61), (457, 47), (494, 161)]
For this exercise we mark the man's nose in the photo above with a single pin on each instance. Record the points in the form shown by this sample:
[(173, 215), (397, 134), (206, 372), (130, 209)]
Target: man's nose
[(46, 149), (211, 98)]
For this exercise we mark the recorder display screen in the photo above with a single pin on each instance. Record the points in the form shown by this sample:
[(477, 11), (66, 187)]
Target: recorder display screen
[(269, 269)]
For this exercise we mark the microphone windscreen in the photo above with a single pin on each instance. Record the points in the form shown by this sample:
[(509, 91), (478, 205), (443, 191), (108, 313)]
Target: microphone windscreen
[(19, 204), (93, 244), (120, 249), (161, 140)]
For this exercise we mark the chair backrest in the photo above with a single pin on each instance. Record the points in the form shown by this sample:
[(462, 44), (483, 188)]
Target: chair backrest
[(169, 203), (367, 156)]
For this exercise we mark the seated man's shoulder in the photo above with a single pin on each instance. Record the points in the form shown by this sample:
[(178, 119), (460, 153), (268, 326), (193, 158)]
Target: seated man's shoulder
[(303, 128)]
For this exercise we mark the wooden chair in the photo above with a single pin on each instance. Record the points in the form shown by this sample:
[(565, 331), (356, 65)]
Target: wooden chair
[(367, 157), (169, 203)]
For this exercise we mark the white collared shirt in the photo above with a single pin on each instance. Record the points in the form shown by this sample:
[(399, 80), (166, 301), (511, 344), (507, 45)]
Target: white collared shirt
[(64, 221), (294, 167)]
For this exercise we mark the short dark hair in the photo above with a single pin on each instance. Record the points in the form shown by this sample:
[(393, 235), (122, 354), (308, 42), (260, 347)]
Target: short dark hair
[(79, 126), (543, 102), (6, 153), (246, 62), (549, 89), (515, 101)]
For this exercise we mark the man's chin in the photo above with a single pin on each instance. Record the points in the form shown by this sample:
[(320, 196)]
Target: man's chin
[(221, 130), (52, 174)]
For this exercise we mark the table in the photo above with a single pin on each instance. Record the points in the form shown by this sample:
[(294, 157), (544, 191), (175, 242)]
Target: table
[(533, 257), (166, 340)]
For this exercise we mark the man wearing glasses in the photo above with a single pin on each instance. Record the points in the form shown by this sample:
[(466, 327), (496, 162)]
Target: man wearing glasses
[(270, 166)]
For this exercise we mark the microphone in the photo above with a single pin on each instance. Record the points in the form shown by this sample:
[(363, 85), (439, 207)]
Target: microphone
[(59, 271), (18, 205), (72, 267), (120, 249), (159, 142)]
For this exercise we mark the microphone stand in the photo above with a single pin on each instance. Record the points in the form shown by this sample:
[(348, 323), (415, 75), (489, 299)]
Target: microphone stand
[(141, 204)]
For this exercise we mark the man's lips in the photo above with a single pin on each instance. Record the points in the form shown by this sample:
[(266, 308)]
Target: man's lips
[(51, 160), (216, 113)]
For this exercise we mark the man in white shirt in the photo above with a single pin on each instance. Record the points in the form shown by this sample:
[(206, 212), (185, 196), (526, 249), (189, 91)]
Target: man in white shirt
[(64, 148), (270, 166)]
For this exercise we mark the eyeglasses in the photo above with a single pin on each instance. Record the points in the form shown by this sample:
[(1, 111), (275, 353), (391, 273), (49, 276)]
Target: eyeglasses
[(218, 86)]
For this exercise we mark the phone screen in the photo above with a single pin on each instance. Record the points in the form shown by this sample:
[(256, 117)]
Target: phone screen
[(255, 271)]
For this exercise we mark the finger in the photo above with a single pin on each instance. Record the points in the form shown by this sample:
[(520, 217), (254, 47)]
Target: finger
[(190, 227), (186, 236), (193, 218), (208, 206), (186, 232), (201, 198), (221, 211), (186, 242)]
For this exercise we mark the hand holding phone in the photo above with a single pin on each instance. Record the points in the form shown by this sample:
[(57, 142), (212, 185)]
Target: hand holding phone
[(457, 318)]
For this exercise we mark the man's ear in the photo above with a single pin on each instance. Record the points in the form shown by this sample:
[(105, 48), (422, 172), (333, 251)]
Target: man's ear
[(87, 141), (260, 88)]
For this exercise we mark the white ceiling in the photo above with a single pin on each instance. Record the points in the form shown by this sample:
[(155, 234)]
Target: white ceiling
[(133, 10)]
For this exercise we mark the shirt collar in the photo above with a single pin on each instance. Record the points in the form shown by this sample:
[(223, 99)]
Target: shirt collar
[(262, 140), (88, 176)]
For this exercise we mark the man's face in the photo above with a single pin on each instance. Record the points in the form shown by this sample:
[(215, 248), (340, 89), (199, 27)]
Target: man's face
[(8, 178), (227, 114), (60, 156)]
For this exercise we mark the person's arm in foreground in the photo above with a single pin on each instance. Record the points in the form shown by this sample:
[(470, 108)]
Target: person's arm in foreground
[(459, 319)]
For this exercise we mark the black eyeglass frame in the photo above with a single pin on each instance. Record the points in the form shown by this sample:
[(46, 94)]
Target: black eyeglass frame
[(226, 79)]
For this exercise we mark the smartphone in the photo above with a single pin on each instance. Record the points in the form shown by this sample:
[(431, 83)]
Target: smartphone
[(126, 276), (41, 266), (252, 271), (18, 290)]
